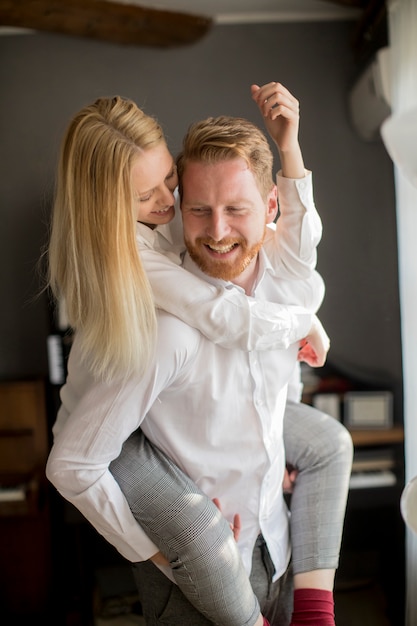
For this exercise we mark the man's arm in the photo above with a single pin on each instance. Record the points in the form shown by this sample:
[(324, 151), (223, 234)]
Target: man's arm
[(299, 226), (228, 317), (281, 113)]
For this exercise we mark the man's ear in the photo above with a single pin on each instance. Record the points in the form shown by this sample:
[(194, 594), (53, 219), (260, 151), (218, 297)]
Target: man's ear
[(272, 205)]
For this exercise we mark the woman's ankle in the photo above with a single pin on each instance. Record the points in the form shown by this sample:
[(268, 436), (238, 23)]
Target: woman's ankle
[(315, 579)]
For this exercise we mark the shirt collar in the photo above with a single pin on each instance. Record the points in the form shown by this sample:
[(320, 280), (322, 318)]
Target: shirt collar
[(152, 236)]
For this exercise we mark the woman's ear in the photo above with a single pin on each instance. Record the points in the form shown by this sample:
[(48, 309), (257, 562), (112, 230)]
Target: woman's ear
[(272, 205)]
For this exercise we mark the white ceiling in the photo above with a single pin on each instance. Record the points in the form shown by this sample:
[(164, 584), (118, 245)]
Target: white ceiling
[(238, 11)]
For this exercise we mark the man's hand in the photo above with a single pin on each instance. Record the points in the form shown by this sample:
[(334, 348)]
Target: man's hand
[(290, 477), (314, 348), (236, 525), (281, 112)]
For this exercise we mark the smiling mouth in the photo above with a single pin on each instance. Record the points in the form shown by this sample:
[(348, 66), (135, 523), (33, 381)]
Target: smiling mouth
[(163, 211), (221, 249)]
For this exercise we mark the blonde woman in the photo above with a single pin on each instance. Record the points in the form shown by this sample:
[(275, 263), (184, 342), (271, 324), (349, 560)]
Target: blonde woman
[(104, 186)]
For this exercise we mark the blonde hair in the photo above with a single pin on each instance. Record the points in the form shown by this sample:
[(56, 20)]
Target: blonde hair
[(224, 138), (94, 264)]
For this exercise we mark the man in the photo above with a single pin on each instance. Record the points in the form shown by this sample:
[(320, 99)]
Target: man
[(226, 209)]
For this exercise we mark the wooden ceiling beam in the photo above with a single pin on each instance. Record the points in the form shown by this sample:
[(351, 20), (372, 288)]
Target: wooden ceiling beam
[(107, 21)]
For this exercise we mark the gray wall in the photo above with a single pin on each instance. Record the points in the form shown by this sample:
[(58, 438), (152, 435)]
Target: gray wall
[(45, 78)]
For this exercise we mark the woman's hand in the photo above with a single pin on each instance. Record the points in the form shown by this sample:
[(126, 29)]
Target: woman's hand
[(314, 348), (159, 559)]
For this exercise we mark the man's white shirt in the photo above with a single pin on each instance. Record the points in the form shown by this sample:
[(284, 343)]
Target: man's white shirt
[(217, 412)]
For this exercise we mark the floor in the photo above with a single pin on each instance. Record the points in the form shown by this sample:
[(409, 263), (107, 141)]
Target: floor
[(354, 607), (358, 599), (124, 620), (361, 607)]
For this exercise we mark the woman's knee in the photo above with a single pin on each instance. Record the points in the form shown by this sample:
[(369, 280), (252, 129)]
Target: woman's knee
[(340, 442), (330, 443)]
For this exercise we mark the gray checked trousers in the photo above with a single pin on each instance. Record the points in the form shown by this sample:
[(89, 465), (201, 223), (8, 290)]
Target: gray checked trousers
[(188, 529)]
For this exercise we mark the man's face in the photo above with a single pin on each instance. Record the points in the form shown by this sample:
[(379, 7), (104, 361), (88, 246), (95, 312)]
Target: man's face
[(224, 217)]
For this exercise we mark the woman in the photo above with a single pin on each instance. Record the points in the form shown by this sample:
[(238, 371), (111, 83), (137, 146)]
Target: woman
[(102, 189)]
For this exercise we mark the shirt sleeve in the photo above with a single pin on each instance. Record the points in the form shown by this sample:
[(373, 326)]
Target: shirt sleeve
[(227, 316), (224, 315), (293, 252), (93, 422)]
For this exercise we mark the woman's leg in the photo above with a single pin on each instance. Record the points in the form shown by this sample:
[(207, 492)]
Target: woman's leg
[(189, 530), (165, 604), (321, 449)]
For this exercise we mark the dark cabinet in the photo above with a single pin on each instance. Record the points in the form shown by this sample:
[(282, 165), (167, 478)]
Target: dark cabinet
[(370, 582), (25, 533)]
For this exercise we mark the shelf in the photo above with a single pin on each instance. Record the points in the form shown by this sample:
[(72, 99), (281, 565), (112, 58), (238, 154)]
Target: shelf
[(376, 437), (18, 506), (370, 480)]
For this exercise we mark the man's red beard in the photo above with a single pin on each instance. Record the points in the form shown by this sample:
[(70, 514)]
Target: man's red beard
[(223, 269)]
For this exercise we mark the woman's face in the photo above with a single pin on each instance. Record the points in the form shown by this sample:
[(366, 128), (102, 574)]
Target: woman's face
[(154, 179)]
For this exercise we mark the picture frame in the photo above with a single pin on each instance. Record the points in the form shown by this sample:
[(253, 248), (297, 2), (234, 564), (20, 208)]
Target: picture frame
[(328, 403), (368, 409)]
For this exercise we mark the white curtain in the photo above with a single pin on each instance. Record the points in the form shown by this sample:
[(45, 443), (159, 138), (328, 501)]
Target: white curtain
[(402, 22)]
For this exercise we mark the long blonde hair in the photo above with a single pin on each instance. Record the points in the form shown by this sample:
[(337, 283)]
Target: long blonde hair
[(94, 264)]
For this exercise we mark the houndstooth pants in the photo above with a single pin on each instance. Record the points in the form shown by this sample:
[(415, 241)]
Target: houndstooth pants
[(191, 532)]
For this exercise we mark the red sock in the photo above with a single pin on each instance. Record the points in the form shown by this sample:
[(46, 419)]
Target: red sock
[(314, 607)]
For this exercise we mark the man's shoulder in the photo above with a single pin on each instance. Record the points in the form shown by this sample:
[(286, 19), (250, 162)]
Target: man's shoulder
[(175, 334)]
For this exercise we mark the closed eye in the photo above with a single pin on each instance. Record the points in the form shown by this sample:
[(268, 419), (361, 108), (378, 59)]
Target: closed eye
[(145, 198), (200, 210), (233, 209), (172, 173)]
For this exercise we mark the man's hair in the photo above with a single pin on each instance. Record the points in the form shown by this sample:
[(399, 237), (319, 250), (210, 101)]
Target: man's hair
[(94, 265), (224, 138)]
